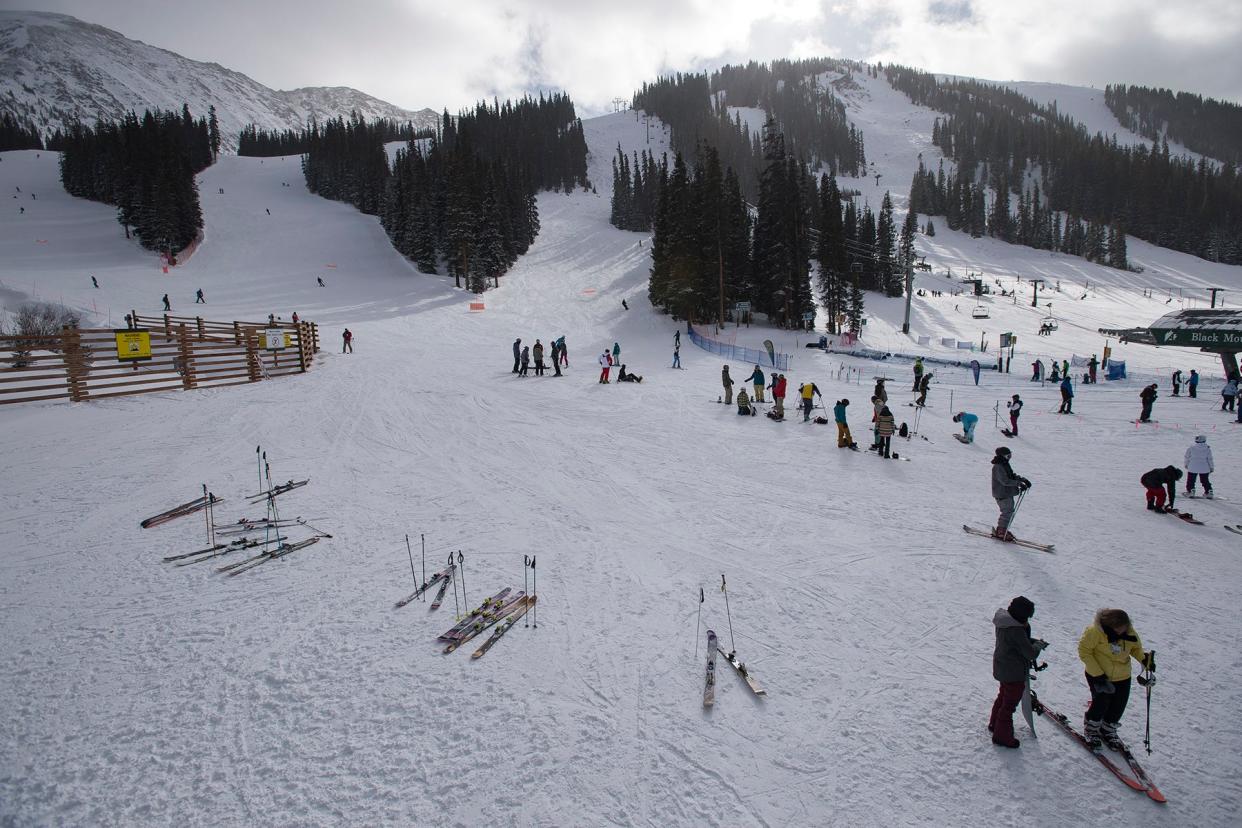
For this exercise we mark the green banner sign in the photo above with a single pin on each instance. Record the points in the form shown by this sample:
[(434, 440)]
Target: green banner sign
[(1218, 339)]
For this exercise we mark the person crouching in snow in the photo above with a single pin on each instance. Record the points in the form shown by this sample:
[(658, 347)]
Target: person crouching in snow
[(1157, 482), (1014, 653), (1005, 487), (968, 421), (743, 403)]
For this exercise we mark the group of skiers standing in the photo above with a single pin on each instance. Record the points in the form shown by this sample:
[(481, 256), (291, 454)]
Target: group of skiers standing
[(523, 354)]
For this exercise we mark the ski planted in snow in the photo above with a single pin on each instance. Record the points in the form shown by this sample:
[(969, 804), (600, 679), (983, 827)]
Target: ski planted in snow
[(743, 672), (709, 683), (444, 575), (509, 620), (985, 533)]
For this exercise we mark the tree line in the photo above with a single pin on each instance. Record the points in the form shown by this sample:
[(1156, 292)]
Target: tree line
[(262, 143), (1205, 125), (1006, 142), (465, 196), (145, 166), (16, 134)]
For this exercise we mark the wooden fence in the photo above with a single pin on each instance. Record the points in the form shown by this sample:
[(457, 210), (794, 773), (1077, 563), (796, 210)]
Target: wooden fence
[(184, 352)]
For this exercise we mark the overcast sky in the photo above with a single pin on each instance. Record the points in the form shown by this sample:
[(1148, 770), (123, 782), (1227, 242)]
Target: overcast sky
[(450, 53)]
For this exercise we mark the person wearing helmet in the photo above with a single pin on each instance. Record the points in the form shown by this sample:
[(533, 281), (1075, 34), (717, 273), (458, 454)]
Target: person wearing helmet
[(1005, 486), (1157, 482)]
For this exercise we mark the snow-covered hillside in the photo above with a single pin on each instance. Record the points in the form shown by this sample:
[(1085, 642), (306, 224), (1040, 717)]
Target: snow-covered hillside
[(56, 69), (139, 693)]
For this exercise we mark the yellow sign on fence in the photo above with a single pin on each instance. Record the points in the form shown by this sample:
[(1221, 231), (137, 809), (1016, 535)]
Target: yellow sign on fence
[(133, 345)]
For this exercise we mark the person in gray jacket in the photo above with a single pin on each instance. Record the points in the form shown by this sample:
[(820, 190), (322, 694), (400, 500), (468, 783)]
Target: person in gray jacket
[(728, 385), (1012, 658), (1005, 486)]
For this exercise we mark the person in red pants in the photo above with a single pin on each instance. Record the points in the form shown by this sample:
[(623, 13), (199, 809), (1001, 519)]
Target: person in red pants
[(1015, 650), (1156, 482), (605, 363)]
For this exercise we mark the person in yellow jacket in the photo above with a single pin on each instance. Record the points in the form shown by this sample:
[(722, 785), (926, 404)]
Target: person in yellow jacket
[(1105, 649)]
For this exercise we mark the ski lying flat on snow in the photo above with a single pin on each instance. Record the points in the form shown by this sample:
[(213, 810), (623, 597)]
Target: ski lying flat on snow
[(1143, 783), (512, 618), (709, 683), (1237, 530), (444, 585), (485, 620), (488, 605), (984, 533), (277, 490), (243, 526), (264, 557), (195, 505), (1186, 516), (743, 672), (435, 579), (224, 549)]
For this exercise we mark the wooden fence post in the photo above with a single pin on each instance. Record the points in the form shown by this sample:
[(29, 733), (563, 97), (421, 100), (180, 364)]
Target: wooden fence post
[(252, 354), (201, 335), (315, 335), (75, 363), (237, 335), (303, 361), (167, 327), (187, 358)]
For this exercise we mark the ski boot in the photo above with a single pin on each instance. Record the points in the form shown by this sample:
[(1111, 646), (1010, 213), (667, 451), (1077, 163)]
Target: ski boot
[(1091, 735), (1003, 534), (1108, 734), (1208, 494)]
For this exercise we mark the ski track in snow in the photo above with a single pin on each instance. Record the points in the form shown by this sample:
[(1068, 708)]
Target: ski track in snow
[(141, 693)]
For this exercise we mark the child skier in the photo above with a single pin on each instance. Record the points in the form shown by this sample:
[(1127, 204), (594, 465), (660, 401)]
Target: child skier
[(1199, 464), (1105, 649), (1012, 657), (1005, 486), (1015, 410), (885, 427)]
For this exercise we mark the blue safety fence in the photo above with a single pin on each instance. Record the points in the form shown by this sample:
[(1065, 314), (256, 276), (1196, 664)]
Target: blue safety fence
[(738, 353)]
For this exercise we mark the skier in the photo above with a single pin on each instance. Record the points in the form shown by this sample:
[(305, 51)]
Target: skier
[(624, 377), (1157, 482), (677, 338), (1005, 486), (524, 371), (1177, 382), (1092, 367), (1067, 397), (616, 353), (167, 305), (564, 351), (844, 438), (95, 282), (881, 391), (538, 355), (1065, 368), (778, 394), (918, 373), (1011, 659), (743, 402), (269, 210), (605, 363), (347, 341), (1199, 464), (728, 385), (1148, 396), (968, 421), (676, 354), (1229, 393), (806, 390), (198, 297), (320, 280), (517, 354), (756, 377), (1036, 370), (885, 426), (1056, 372), (625, 304), (1015, 411), (1192, 385), (923, 388), (556, 356), (1105, 649)]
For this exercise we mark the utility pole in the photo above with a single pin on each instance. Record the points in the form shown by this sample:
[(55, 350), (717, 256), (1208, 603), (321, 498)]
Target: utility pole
[(1035, 283), (905, 326), (1214, 291), (618, 104)]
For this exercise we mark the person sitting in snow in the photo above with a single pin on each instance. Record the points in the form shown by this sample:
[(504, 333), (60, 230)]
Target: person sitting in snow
[(743, 403), (624, 376)]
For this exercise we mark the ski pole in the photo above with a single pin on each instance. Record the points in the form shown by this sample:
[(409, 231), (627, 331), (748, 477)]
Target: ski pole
[(525, 580), (1016, 506), (534, 586), (461, 568), (452, 577), (732, 644), (1147, 679), (422, 538), (698, 625), (207, 515), (411, 554), (257, 458)]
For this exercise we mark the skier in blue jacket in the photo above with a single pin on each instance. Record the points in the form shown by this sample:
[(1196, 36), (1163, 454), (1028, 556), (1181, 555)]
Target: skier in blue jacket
[(968, 421), (757, 378), (1067, 397)]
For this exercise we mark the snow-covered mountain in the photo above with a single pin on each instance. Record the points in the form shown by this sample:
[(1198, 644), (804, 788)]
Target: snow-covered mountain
[(56, 69)]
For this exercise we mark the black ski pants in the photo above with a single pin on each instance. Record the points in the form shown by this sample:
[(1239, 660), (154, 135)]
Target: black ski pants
[(1108, 707)]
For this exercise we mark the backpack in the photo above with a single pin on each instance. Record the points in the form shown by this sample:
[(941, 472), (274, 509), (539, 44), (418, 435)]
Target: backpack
[(821, 421), (904, 431)]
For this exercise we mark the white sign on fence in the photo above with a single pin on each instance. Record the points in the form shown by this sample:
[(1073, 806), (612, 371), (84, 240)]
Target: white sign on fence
[(274, 339)]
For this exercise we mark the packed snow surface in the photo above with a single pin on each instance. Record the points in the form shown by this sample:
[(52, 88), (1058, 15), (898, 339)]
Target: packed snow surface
[(137, 693)]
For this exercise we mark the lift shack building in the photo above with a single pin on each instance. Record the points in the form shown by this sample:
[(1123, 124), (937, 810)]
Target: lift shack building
[(1216, 331)]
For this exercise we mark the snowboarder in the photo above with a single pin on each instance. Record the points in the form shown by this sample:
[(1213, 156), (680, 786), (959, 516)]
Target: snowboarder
[(625, 304), (198, 297), (1192, 385), (320, 280), (1199, 464), (1093, 367), (1157, 482), (524, 371), (677, 338), (626, 377), (728, 385), (538, 354), (923, 388), (269, 210), (1148, 396), (1105, 649), (1229, 393), (918, 373), (743, 402), (1011, 659), (806, 391), (1005, 486), (1067, 397), (676, 354), (968, 421), (95, 282), (1015, 411), (778, 394), (1177, 383), (605, 363), (347, 341), (517, 355), (885, 427), (167, 305), (756, 377), (844, 438)]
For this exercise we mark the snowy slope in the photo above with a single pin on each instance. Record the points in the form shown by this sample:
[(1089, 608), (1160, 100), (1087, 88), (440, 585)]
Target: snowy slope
[(296, 694), (56, 69)]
